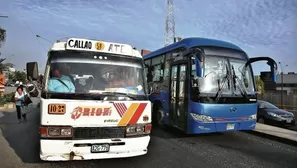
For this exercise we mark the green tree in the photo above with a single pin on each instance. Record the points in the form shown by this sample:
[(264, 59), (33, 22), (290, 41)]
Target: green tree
[(20, 76), (2, 36), (5, 66), (259, 85), (11, 77)]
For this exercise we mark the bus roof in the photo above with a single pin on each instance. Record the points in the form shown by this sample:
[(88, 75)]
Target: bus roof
[(192, 42), (80, 44)]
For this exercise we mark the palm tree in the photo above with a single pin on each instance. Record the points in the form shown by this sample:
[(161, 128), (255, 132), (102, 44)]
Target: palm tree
[(259, 85)]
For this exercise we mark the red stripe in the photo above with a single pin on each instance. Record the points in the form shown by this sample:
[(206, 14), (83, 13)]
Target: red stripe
[(117, 108), (138, 113), (123, 108)]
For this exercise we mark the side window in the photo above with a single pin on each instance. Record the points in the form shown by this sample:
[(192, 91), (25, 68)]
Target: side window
[(167, 65), (147, 69), (158, 68)]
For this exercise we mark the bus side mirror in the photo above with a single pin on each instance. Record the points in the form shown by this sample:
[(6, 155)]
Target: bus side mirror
[(198, 67), (270, 62), (273, 69), (32, 71), (199, 56)]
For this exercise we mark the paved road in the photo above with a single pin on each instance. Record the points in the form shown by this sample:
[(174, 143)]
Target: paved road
[(19, 147)]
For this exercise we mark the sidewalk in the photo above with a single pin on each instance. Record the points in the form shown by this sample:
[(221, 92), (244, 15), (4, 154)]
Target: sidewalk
[(280, 133)]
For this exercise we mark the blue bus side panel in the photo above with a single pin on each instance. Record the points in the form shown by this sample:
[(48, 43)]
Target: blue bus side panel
[(222, 115), (163, 97)]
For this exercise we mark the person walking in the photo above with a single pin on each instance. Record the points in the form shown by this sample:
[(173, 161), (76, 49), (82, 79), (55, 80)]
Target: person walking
[(19, 99)]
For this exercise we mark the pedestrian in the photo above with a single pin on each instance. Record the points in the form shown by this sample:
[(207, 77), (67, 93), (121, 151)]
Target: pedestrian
[(19, 99), (24, 88)]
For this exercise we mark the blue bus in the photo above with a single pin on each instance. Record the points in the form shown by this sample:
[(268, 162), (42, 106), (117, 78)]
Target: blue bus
[(201, 85)]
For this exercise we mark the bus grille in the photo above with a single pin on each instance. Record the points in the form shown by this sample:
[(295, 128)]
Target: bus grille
[(98, 132)]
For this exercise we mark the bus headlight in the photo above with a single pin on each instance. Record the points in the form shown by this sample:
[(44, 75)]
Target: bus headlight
[(137, 130), (253, 117), (55, 132), (201, 118)]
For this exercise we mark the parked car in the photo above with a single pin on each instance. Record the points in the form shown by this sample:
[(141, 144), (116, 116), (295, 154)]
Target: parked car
[(9, 84), (270, 114)]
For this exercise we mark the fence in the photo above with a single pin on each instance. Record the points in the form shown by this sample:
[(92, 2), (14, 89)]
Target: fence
[(289, 101)]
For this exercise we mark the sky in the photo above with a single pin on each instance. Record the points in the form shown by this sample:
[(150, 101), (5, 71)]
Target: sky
[(259, 27)]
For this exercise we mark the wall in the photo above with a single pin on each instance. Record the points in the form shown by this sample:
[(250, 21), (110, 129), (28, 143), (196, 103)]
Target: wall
[(290, 101)]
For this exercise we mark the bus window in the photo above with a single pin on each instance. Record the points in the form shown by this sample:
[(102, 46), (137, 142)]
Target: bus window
[(157, 64)]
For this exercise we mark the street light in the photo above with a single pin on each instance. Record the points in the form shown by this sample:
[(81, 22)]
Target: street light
[(282, 81), (38, 36)]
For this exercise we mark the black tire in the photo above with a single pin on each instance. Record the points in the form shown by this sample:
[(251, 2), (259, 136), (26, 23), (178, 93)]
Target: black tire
[(261, 120), (158, 115)]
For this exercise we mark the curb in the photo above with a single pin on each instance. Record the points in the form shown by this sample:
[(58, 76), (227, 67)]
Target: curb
[(8, 110), (273, 137)]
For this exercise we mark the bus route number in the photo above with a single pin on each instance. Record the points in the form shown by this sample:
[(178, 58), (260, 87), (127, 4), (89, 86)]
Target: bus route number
[(56, 109)]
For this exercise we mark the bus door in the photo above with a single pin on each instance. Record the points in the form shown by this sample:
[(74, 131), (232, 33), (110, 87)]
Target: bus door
[(178, 95)]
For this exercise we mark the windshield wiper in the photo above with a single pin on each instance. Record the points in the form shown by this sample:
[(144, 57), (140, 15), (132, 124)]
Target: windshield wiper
[(235, 80), (220, 88)]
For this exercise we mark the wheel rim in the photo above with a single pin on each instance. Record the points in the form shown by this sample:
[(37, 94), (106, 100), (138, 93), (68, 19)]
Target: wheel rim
[(160, 117)]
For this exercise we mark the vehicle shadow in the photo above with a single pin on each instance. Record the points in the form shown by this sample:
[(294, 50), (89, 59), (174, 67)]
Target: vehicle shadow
[(173, 133), (22, 137)]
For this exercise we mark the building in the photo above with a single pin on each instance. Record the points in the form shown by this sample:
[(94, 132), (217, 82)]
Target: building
[(289, 83)]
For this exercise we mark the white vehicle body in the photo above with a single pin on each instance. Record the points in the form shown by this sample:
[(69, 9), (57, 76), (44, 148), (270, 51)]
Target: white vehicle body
[(82, 128)]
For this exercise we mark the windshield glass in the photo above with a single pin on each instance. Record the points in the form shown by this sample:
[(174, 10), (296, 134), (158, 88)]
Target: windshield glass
[(267, 105), (245, 81), (90, 72), (215, 73)]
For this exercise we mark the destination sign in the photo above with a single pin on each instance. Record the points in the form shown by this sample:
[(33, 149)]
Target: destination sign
[(99, 46)]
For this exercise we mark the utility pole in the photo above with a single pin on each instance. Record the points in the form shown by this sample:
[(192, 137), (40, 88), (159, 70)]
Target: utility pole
[(170, 23), (282, 83)]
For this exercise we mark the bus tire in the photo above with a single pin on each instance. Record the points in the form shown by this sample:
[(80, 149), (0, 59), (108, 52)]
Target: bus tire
[(158, 116), (261, 120)]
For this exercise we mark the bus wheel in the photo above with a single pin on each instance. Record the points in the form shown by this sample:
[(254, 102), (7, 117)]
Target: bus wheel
[(261, 120), (159, 116)]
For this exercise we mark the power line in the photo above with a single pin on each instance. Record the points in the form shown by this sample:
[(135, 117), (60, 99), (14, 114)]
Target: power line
[(20, 16)]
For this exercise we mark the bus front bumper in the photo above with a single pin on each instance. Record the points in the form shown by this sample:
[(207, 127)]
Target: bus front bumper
[(64, 150), (199, 127)]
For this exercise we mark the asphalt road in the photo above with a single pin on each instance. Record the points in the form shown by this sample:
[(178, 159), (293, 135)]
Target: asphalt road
[(19, 148)]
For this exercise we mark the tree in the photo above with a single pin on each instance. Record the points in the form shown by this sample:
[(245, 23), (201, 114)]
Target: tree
[(17, 76), (5, 66), (2, 36), (259, 85)]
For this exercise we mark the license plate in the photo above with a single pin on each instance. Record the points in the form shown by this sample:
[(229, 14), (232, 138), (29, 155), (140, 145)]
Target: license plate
[(289, 120), (230, 126), (98, 148)]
